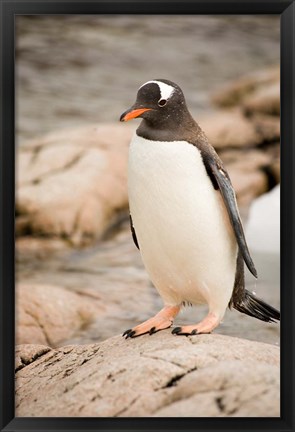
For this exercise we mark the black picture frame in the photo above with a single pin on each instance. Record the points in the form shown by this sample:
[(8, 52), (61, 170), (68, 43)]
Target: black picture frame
[(9, 9)]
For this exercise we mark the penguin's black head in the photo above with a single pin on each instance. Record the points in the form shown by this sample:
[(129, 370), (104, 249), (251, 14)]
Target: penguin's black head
[(157, 102)]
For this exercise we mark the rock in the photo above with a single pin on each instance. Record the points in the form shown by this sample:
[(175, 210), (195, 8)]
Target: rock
[(162, 375), (42, 248), (247, 171), (26, 354), (229, 129), (71, 184), (275, 170), (264, 100), (247, 159), (232, 129), (48, 314), (235, 93), (267, 126), (262, 162), (247, 185)]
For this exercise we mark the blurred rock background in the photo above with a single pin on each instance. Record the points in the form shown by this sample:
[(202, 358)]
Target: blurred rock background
[(80, 278), (73, 70)]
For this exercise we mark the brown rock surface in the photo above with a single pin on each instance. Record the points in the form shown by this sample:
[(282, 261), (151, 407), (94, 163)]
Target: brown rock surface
[(48, 314), (71, 183), (30, 248), (264, 100), (275, 169), (247, 170), (231, 129), (162, 375), (268, 127), (247, 184), (227, 129), (235, 92), (28, 353)]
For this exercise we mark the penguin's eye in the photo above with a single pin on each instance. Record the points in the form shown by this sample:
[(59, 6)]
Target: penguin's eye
[(162, 102)]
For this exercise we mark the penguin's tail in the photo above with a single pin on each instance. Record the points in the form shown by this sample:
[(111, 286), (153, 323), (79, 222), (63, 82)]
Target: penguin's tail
[(257, 308)]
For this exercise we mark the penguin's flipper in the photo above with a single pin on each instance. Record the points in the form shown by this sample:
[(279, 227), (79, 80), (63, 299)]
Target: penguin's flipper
[(229, 198), (133, 232)]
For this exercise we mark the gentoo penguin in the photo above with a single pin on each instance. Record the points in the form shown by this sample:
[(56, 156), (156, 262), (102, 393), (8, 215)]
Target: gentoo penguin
[(184, 216)]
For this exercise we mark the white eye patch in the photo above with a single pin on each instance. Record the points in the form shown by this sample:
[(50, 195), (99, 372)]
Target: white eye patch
[(166, 90)]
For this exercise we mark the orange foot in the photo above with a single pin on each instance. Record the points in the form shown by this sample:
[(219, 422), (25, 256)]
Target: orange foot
[(161, 321), (205, 326)]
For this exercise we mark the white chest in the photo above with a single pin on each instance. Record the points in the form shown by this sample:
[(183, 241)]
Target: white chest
[(181, 223), (167, 174)]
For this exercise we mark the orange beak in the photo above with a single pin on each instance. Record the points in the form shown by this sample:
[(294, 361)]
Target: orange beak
[(133, 114)]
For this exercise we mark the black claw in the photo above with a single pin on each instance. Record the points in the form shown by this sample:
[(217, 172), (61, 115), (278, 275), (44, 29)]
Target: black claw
[(130, 334), (195, 331), (152, 330), (126, 332), (178, 331)]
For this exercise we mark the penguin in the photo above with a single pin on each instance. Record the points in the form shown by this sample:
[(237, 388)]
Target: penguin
[(184, 216)]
